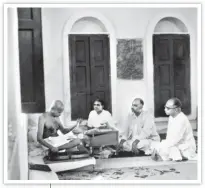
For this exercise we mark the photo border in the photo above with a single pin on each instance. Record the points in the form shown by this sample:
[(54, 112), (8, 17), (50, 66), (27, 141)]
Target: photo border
[(106, 5)]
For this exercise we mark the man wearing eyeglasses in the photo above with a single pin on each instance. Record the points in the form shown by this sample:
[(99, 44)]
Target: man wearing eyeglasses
[(140, 130), (179, 143), (100, 118)]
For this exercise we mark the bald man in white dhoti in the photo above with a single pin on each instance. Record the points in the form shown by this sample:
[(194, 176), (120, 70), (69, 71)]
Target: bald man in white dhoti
[(140, 130)]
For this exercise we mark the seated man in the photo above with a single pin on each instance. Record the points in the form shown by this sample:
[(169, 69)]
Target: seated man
[(100, 120), (48, 128), (101, 128), (140, 131), (179, 143)]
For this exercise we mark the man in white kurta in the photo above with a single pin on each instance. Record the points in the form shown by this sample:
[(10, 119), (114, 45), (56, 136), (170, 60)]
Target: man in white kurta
[(99, 119), (179, 143), (140, 130)]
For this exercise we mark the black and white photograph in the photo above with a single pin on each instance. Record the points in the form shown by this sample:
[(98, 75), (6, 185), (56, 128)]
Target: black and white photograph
[(102, 93)]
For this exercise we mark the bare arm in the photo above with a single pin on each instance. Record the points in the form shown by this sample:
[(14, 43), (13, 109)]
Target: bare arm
[(67, 130), (41, 124)]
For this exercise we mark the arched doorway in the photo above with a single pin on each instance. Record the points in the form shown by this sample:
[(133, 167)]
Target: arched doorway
[(87, 24), (171, 58), (89, 66)]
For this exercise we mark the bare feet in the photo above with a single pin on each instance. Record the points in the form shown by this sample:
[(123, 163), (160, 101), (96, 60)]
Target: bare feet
[(155, 156), (136, 152)]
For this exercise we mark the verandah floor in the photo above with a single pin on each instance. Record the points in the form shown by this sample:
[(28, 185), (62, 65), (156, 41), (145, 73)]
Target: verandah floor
[(135, 168)]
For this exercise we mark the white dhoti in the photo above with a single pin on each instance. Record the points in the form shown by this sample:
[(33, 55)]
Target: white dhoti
[(140, 128), (176, 153), (180, 142), (146, 145)]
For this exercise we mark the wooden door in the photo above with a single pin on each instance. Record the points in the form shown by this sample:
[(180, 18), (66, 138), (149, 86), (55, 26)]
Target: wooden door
[(89, 73), (171, 71), (31, 60), (100, 69)]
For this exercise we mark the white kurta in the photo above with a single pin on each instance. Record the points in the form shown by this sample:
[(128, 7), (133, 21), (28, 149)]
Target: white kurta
[(179, 141), (142, 128), (96, 120)]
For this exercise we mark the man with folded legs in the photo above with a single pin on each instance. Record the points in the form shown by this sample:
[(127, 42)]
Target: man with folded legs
[(179, 143), (140, 131), (49, 125)]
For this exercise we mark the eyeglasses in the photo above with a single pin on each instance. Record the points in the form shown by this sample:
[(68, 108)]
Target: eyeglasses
[(136, 105), (169, 108), (96, 104)]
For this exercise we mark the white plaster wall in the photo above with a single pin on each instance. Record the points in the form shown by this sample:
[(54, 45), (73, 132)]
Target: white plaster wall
[(12, 99), (128, 23), (13, 163), (17, 133), (171, 25), (88, 25)]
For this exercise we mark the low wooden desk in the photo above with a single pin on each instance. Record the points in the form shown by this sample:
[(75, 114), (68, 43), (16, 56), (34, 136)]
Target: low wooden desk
[(105, 138)]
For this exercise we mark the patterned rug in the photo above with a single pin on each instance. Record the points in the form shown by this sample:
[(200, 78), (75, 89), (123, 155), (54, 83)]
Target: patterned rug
[(181, 171)]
